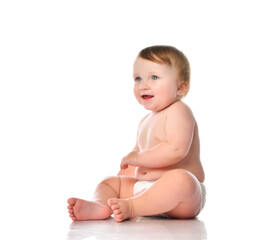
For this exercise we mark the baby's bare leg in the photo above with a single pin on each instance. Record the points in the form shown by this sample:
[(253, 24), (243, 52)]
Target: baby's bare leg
[(112, 187), (176, 193), (80, 209)]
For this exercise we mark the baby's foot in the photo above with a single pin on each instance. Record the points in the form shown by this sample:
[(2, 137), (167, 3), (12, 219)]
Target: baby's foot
[(122, 208), (86, 210)]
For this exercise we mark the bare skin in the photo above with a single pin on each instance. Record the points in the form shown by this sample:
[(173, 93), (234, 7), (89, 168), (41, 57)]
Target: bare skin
[(116, 187), (80, 209), (122, 208), (167, 152)]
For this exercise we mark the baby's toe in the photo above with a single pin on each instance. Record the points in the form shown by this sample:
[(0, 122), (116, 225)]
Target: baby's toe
[(112, 201), (71, 211), (117, 211), (115, 207), (72, 216), (118, 217), (71, 201), (69, 207)]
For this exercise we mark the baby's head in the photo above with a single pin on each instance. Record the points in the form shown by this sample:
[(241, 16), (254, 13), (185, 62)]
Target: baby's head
[(172, 57)]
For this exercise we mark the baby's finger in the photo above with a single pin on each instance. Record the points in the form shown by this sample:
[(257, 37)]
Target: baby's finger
[(123, 166)]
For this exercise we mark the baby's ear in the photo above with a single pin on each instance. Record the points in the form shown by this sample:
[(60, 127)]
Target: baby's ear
[(182, 88)]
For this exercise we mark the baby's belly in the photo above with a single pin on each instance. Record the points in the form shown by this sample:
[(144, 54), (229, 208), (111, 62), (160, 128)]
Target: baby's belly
[(151, 174), (148, 174)]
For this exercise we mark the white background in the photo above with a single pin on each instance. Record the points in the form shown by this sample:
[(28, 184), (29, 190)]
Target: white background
[(68, 114)]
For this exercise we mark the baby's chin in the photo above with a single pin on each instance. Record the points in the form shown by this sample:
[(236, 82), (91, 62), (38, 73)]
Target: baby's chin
[(153, 109)]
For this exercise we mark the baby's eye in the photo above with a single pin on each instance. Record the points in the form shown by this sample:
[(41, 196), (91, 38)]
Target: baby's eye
[(154, 77), (138, 79)]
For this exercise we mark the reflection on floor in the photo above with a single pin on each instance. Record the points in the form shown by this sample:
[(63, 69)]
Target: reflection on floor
[(142, 228)]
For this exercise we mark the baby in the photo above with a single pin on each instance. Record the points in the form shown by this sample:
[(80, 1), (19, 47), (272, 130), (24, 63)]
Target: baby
[(163, 173)]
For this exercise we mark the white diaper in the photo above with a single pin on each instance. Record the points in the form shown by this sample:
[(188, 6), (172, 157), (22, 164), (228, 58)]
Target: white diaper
[(141, 186), (204, 195)]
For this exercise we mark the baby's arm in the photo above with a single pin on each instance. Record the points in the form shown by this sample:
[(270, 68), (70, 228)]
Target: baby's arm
[(179, 133)]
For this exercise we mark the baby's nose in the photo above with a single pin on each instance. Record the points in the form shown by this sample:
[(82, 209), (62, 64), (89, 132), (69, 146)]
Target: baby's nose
[(144, 86)]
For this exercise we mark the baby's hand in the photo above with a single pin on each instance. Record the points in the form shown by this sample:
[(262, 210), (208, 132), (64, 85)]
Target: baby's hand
[(129, 159)]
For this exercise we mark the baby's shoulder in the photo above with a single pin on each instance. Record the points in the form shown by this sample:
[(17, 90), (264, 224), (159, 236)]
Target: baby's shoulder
[(179, 108)]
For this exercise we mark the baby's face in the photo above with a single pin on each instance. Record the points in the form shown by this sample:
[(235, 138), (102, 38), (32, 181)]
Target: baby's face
[(156, 84)]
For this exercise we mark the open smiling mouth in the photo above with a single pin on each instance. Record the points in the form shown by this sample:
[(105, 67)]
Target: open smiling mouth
[(147, 97)]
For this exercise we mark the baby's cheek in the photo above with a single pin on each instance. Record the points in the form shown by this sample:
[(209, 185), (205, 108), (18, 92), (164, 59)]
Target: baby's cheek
[(162, 92), (136, 94)]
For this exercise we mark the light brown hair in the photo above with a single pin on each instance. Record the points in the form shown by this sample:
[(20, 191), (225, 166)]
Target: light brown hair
[(170, 56)]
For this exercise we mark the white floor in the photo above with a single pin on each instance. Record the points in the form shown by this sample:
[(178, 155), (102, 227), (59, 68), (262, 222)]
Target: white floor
[(141, 228), (147, 228)]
